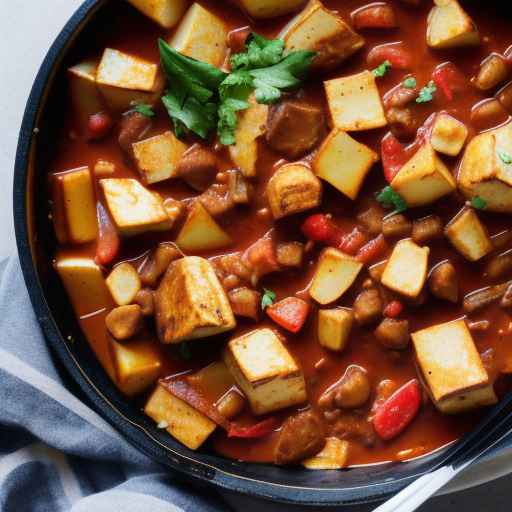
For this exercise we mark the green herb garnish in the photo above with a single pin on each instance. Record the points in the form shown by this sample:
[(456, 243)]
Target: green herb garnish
[(268, 298), (388, 198), (505, 157), (382, 69), (144, 109), (478, 203), (409, 83), (427, 93)]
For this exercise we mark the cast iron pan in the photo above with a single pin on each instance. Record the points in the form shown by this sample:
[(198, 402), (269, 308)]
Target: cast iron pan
[(36, 242)]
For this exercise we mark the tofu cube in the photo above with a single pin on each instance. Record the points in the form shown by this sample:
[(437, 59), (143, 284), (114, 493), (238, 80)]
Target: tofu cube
[(334, 326), (484, 173), (123, 283), (137, 365), (448, 26), (322, 31), (335, 273), (251, 126), (124, 80), (186, 424), (406, 269), (134, 208), (448, 135), (263, 9), (452, 368), (190, 302), (354, 102), (334, 455), (85, 95), (166, 13), (157, 157), (424, 178), (344, 163), (84, 283), (200, 232), (293, 188), (265, 371), (201, 35), (468, 235)]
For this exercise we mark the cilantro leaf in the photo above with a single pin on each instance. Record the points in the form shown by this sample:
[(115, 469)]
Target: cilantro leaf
[(427, 93), (268, 298), (144, 109), (478, 203), (409, 83), (391, 199), (260, 53), (505, 157), (382, 69)]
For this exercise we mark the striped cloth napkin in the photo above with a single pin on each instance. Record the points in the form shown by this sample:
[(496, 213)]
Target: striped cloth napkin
[(57, 454)]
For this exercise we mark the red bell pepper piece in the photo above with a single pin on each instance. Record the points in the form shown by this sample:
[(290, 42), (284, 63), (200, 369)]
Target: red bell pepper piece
[(394, 156), (352, 242), (393, 309), (397, 412), (261, 429), (372, 250), (108, 242), (374, 16), (448, 79), (395, 53), (289, 313)]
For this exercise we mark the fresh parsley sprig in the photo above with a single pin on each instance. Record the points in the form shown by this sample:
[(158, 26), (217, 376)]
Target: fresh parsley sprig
[(268, 298), (382, 69), (427, 93), (144, 109), (388, 198), (478, 203)]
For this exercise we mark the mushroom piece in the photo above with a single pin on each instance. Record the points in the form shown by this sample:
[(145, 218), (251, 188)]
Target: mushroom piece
[(124, 322), (393, 333), (443, 282)]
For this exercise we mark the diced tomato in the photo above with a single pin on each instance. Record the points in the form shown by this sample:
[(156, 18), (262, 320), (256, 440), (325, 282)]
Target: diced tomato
[(352, 242), (374, 16), (261, 257), (237, 39), (289, 313), (395, 53), (397, 412), (108, 242), (393, 309), (261, 429), (372, 250), (317, 227), (99, 125), (394, 156), (449, 80)]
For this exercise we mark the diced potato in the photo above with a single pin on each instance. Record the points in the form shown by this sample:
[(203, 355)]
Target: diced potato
[(354, 102), (201, 35), (166, 13), (322, 31), (448, 135), (484, 173), (190, 302), (200, 232), (344, 163), (335, 274), (468, 235), (74, 207), (448, 26), (424, 178), (293, 188), (251, 126), (334, 326), (452, 368), (334, 455), (265, 371), (406, 270), (84, 283), (134, 208), (125, 79), (137, 365), (123, 283), (84, 92), (104, 168), (186, 424), (158, 157), (263, 9)]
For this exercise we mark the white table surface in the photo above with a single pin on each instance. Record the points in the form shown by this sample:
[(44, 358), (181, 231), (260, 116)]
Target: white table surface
[(28, 29)]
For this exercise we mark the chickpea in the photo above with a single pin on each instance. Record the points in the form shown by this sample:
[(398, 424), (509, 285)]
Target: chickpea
[(353, 389)]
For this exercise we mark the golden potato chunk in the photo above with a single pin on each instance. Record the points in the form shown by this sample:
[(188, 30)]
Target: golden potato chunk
[(263, 9), (333, 456), (265, 371), (157, 157), (452, 368), (123, 283), (354, 102), (424, 178), (406, 269), (134, 208), (335, 273), (334, 326), (201, 35), (322, 31), (448, 26), (190, 302), (293, 188), (468, 235), (166, 13), (344, 163), (124, 322), (186, 424), (448, 135), (85, 95)]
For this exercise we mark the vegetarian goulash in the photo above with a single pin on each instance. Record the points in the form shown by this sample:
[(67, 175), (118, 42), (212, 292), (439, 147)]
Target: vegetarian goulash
[(284, 227)]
